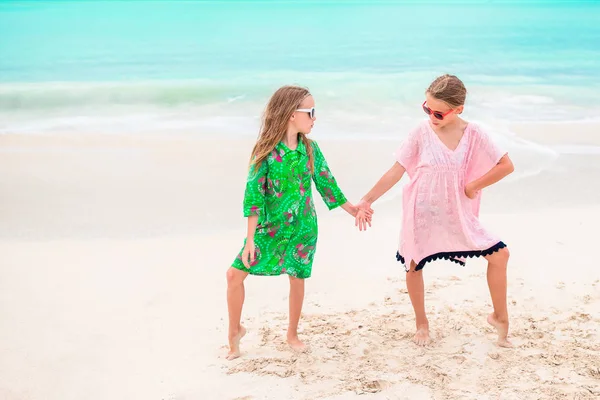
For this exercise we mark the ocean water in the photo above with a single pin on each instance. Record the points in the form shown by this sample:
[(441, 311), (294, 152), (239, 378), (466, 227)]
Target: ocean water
[(208, 67)]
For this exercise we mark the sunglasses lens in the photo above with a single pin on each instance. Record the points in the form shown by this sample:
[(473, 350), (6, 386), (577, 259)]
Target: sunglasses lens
[(427, 110), (438, 115), (312, 112)]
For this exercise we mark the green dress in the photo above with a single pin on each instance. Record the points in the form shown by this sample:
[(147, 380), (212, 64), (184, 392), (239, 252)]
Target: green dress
[(280, 194)]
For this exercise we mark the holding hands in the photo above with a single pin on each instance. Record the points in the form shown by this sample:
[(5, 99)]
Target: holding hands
[(363, 216)]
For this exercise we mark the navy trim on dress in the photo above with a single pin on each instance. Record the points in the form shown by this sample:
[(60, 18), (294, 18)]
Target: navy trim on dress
[(453, 255)]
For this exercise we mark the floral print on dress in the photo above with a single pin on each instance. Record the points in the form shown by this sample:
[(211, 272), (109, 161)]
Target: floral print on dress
[(279, 192)]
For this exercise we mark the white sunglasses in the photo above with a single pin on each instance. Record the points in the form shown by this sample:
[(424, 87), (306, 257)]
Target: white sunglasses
[(310, 111)]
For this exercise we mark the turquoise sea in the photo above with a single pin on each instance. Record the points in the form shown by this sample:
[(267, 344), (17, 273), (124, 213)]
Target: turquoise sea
[(208, 67)]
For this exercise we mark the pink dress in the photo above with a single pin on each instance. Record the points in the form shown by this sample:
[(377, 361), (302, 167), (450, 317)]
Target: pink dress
[(439, 220)]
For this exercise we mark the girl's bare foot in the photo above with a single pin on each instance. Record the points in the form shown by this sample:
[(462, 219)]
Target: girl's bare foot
[(422, 336), (296, 345), (502, 328), (234, 344)]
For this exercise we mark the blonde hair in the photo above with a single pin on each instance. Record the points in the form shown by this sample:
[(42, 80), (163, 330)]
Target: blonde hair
[(449, 89), (275, 120)]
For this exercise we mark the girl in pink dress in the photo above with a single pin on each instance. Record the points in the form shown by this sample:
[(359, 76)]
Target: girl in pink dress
[(449, 161)]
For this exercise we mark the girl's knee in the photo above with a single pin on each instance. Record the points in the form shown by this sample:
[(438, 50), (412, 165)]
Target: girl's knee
[(504, 254), (235, 276), (500, 257)]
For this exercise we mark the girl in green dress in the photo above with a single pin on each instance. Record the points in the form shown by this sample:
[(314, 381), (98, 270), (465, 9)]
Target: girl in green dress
[(278, 202)]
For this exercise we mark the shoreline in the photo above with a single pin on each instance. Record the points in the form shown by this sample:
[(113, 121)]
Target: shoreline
[(70, 185)]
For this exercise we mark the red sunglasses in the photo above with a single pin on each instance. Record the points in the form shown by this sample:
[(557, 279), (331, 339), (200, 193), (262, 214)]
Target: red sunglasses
[(436, 114)]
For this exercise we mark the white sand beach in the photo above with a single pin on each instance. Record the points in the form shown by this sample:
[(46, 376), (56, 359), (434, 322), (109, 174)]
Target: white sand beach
[(113, 252)]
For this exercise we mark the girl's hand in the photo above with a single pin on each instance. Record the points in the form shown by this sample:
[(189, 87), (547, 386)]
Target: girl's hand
[(366, 207), (248, 252), (362, 219), (471, 191), (364, 215), (353, 210)]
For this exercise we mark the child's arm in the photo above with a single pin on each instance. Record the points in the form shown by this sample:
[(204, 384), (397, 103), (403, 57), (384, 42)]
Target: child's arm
[(328, 188), (385, 183), (326, 184), (354, 210), (249, 249), (254, 206), (407, 159), (256, 187), (350, 208), (498, 172)]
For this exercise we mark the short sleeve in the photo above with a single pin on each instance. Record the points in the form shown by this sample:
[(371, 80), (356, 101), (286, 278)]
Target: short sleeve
[(486, 153), (254, 196), (408, 152)]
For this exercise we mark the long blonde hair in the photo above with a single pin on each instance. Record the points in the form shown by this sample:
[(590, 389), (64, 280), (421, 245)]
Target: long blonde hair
[(274, 125)]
